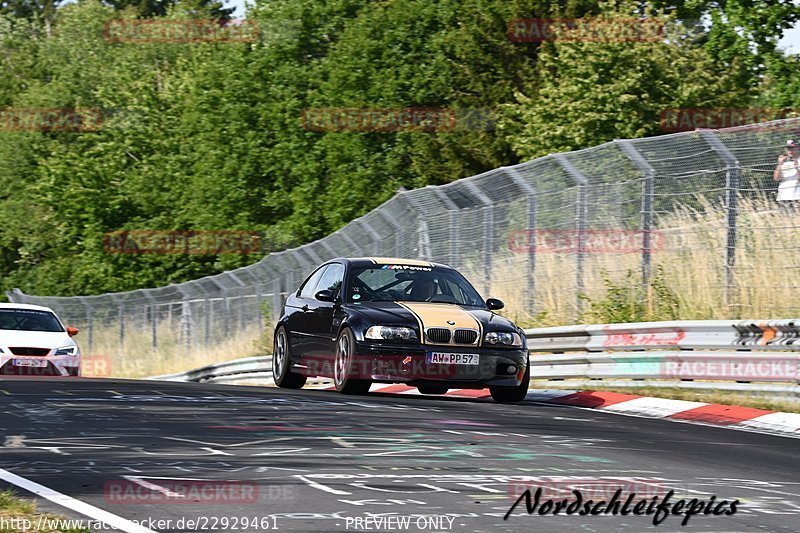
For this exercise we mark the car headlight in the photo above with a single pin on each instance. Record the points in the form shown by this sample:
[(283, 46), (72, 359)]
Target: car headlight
[(503, 338), (67, 350), (390, 333)]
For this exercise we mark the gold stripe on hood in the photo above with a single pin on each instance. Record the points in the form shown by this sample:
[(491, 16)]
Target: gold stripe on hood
[(436, 315)]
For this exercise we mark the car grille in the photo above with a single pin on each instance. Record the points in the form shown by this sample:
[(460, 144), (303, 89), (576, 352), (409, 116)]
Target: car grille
[(440, 335), (29, 351), (465, 336)]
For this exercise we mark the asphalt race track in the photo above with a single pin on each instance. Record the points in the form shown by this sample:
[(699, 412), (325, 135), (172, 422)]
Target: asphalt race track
[(315, 460)]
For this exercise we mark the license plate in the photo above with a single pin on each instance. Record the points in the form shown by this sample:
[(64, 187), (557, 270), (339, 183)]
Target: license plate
[(30, 362), (453, 358)]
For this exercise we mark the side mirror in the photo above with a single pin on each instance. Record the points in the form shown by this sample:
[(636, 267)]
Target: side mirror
[(324, 296), (493, 304), (72, 331)]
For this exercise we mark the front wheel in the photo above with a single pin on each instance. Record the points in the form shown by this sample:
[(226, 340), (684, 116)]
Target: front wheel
[(513, 394), (282, 363), (343, 366)]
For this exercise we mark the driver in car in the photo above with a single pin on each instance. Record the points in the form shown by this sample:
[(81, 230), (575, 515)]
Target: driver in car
[(423, 288)]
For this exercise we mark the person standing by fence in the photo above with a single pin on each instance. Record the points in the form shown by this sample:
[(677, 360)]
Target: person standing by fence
[(787, 172)]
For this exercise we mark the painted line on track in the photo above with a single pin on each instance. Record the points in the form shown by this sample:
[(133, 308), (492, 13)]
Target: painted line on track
[(95, 513)]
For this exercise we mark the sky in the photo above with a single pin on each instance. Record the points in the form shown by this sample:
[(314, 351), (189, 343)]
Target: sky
[(790, 41)]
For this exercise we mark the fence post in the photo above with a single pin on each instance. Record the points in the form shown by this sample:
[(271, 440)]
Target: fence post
[(153, 327), (530, 231), (186, 326), (225, 327), (121, 318), (276, 299), (354, 248), (452, 210), (89, 326), (488, 233), (397, 231), (647, 205), (209, 306), (376, 238), (423, 236), (581, 223), (732, 178)]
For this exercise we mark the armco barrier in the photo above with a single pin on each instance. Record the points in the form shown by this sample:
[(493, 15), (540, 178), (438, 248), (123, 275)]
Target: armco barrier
[(250, 367), (745, 355), (745, 335)]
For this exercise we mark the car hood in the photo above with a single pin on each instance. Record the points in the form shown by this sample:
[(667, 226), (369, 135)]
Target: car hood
[(431, 314), (35, 339)]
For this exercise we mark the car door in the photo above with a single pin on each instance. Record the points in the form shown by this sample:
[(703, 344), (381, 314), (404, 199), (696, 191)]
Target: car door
[(321, 318), (298, 308)]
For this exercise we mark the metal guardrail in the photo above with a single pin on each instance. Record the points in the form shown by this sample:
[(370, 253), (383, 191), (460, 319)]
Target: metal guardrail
[(249, 367), (744, 355), (748, 355)]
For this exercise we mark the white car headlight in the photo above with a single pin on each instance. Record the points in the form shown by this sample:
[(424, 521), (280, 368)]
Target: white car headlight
[(503, 338), (67, 350), (390, 333)]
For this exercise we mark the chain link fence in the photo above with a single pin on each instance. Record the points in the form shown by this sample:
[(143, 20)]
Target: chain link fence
[(695, 210)]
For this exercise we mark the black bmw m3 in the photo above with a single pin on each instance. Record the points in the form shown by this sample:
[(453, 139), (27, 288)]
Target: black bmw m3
[(376, 320)]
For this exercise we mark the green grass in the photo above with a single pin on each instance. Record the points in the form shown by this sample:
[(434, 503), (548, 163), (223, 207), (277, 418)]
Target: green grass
[(14, 510)]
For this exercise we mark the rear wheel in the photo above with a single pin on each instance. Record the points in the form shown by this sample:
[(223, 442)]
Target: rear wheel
[(429, 388), (513, 394), (343, 377), (282, 363)]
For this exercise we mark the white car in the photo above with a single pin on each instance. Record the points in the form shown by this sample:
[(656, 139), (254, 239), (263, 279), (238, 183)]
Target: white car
[(34, 342)]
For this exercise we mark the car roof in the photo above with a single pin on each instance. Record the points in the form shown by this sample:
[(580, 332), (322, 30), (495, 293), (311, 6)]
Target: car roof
[(25, 306), (369, 261)]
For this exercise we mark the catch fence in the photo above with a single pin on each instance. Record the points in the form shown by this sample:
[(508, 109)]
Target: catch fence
[(692, 215)]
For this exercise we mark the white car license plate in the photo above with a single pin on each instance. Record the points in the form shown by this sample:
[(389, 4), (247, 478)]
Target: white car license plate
[(453, 358), (39, 363)]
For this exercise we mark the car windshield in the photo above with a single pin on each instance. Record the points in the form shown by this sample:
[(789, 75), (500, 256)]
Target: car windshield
[(29, 320), (398, 283)]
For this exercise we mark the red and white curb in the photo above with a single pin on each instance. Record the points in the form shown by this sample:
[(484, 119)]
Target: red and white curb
[(711, 414)]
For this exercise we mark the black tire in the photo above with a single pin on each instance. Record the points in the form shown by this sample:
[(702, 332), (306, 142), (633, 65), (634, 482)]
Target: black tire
[(282, 363), (342, 366), (432, 388), (513, 394)]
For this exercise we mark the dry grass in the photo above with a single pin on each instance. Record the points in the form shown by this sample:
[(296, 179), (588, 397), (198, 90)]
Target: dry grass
[(691, 256), (14, 511), (137, 359)]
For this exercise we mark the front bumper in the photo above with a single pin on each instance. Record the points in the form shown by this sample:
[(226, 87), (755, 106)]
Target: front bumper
[(52, 365), (393, 363)]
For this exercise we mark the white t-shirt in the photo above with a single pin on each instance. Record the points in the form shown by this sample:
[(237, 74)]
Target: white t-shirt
[(789, 189)]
